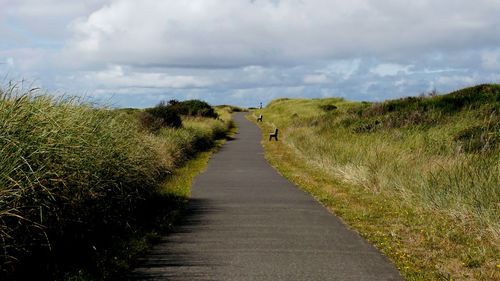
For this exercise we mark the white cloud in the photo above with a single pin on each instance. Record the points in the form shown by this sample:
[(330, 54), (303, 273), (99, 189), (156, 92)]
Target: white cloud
[(44, 18), (26, 59), (316, 79), (343, 68), (491, 59), (231, 33), (458, 80), (390, 69), (246, 51), (10, 62), (118, 77)]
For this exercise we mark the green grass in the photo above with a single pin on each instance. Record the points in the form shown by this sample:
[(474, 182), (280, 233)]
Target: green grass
[(78, 181), (419, 177)]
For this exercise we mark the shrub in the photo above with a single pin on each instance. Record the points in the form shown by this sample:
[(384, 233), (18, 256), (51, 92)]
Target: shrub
[(169, 114), (328, 107), (149, 122), (193, 108), (166, 114)]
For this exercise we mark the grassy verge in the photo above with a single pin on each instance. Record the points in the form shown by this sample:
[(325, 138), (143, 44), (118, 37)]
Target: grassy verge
[(171, 200), (406, 180), (173, 196), (78, 182), (176, 188), (169, 205)]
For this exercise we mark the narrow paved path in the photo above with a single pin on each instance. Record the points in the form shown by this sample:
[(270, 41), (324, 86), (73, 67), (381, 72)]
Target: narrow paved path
[(246, 222)]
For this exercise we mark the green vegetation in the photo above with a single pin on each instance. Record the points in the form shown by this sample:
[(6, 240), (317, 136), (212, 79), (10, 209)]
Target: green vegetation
[(231, 108), (419, 177), (194, 108), (81, 186), (169, 115)]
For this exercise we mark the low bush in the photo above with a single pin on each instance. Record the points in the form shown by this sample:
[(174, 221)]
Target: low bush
[(327, 107), (195, 108), (162, 115), (169, 114)]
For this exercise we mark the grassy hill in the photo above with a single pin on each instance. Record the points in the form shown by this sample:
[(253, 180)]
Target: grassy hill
[(417, 176), (83, 187)]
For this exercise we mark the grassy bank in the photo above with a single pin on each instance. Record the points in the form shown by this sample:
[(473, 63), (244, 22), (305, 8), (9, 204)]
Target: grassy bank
[(419, 177), (77, 181)]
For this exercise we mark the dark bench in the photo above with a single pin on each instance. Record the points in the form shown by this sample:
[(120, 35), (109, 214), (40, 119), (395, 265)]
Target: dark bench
[(274, 135), (259, 118)]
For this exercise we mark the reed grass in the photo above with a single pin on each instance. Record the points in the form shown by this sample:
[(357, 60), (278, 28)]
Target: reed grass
[(74, 176)]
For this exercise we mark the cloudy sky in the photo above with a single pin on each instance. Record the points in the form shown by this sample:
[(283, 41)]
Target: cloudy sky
[(135, 53)]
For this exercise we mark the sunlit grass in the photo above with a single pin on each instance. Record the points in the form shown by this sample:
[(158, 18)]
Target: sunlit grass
[(411, 160)]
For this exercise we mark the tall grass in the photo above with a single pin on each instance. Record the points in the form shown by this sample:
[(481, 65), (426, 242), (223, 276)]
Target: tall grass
[(437, 153), (74, 176), (397, 151)]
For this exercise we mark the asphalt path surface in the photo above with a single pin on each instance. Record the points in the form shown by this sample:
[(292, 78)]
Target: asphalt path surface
[(246, 222)]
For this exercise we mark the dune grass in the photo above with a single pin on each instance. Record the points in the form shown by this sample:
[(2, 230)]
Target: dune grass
[(77, 180), (419, 177)]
